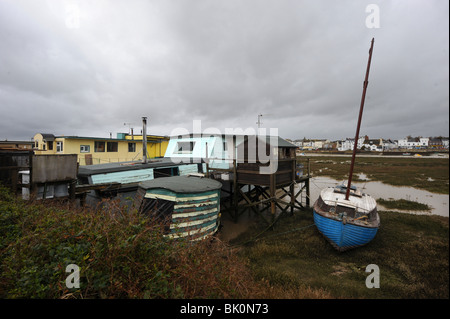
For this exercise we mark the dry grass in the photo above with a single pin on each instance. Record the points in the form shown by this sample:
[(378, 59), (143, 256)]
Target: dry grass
[(302, 264), (121, 254)]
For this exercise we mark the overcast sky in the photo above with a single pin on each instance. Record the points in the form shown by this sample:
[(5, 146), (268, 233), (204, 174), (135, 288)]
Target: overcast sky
[(87, 67)]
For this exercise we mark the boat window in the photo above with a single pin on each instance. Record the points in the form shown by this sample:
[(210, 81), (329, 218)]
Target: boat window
[(85, 148), (185, 147), (99, 146), (112, 146), (131, 147), (59, 146)]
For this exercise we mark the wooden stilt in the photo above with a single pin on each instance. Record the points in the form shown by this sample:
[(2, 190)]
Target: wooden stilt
[(235, 192)]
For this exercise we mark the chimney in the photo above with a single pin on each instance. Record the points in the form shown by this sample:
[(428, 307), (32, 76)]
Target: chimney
[(144, 140)]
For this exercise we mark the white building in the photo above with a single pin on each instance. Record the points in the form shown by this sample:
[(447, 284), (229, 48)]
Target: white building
[(389, 145), (375, 145), (413, 142), (349, 144)]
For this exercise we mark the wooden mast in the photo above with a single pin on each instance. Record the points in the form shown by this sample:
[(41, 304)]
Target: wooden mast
[(366, 82)]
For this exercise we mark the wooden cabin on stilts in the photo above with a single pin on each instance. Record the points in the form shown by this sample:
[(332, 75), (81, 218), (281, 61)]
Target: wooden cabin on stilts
[(263, 173)]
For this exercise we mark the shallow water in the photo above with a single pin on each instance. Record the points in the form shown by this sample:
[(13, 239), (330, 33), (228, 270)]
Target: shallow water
[(438, 202)]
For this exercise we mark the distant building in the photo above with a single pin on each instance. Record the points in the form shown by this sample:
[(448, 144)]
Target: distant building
[(438, 143), (413, 142), (389, 145), (312, 144), (349, 144), (98, 150), (375, 145), (16, 145)]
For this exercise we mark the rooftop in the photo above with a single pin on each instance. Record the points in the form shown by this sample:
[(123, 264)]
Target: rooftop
[(88, 170), (182, 184)]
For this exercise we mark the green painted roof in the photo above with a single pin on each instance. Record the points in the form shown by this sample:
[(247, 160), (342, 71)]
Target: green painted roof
[(182, 184)]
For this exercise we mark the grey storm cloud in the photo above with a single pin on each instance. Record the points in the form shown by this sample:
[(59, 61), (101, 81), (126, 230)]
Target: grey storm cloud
[(87, 67)]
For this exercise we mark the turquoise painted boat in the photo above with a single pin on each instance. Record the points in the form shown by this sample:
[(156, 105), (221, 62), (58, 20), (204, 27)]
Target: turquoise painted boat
[(188, 206), (346, 223)]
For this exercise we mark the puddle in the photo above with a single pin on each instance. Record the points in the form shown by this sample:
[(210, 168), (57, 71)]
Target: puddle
[(438, 202), (362, 177)]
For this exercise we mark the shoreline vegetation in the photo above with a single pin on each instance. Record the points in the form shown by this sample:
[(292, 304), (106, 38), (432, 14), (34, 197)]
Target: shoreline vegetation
[(304, 257), (403, 204), (122, 254), (430, 174)]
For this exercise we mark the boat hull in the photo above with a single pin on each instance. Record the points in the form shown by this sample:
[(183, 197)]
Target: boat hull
[(343, 236)]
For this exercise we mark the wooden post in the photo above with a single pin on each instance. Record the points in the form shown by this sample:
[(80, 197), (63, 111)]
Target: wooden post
[(308, 204), (207, 161), (307, 185), (14, 180), (309, 167), (144, 140), (44, 196), (72, 189), (272, 196), (235, 191), (291, 187)]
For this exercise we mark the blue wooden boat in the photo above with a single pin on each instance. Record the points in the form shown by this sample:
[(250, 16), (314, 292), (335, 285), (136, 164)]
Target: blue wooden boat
[(345, 216), (346, 223)]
